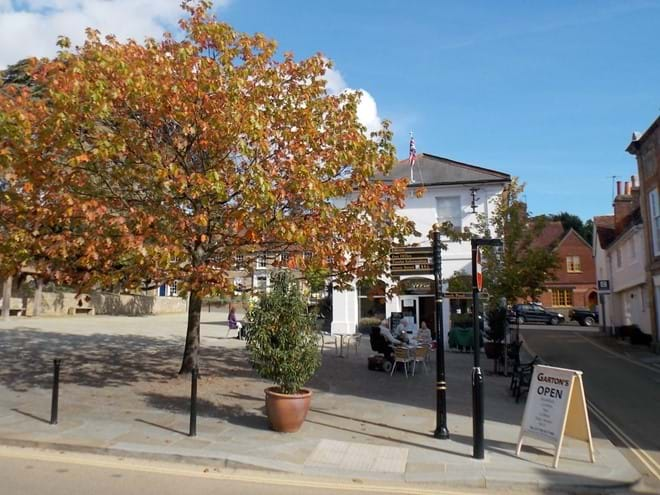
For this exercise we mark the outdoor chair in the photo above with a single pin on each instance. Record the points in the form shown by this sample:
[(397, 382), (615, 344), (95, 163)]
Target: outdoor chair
[(420, 356), (379, 344), (522, 377), (326, 338), (354, 339), (401, 355)]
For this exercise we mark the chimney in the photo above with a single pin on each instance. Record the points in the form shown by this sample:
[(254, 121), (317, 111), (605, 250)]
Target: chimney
[(634, 181), (623, 205)]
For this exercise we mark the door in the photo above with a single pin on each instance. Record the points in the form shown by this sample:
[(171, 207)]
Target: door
[(409, 308)]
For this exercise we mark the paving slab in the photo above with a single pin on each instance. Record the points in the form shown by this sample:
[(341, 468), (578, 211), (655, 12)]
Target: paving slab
[(120, 394)]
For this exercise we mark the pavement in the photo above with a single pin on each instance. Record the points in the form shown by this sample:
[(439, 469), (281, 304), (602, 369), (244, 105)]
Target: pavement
[(120, 395)]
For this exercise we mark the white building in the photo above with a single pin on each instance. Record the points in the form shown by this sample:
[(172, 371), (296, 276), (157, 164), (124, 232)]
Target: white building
[(455, 192), (619, 249)]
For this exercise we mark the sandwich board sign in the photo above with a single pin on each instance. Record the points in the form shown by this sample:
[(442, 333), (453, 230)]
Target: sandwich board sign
[(556, 407)]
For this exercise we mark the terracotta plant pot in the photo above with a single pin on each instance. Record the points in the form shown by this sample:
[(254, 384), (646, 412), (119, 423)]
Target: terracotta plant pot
[(287, 412)]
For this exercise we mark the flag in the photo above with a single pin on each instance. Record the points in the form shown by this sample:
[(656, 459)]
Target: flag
[(413, 151)]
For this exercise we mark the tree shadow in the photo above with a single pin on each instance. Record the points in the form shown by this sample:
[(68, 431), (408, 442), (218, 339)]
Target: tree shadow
[(230, 413), (103, 360)]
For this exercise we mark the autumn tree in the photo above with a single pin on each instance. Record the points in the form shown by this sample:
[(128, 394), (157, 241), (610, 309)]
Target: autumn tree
[(166, 159), (520, 269)]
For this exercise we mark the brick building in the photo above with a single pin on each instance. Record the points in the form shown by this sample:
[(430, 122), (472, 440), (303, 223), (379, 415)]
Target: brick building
[(574, 282), (646, 148)]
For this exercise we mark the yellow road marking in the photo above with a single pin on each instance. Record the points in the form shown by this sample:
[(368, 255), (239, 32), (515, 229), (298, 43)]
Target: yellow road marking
[(616, 354), (641, 454), (112, 462)]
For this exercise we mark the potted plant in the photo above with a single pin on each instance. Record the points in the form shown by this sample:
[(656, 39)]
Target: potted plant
[(283, 347), (496, 332)]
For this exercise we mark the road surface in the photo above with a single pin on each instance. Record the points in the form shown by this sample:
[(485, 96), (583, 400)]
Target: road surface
[(623, 392)]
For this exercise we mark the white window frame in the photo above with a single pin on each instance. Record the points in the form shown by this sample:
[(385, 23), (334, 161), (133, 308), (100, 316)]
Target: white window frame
[(573, 264), (654, 217), (262, 263), (172, 289), (457, 220)]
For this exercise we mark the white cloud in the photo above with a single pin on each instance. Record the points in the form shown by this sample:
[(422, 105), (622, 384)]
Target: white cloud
[(367, 109), (31, 27)]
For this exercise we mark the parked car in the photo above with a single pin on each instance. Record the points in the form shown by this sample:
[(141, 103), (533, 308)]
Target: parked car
[(584, 317), (534, 313)]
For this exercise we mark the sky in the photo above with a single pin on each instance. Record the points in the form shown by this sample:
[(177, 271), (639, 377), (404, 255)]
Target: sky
[(548, 91)]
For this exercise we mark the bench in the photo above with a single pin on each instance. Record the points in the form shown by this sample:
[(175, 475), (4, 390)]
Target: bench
[(80, 311)]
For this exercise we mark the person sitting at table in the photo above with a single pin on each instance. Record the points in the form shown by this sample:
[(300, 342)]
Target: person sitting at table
[(401, 331), (232, 321), (424, 334), (387, 335)]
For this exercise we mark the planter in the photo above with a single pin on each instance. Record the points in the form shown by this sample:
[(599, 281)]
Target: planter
[(493, 350), (287, 412)]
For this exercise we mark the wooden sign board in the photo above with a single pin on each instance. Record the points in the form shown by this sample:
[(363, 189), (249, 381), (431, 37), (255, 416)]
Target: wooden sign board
[(411, 261), (556, 407)]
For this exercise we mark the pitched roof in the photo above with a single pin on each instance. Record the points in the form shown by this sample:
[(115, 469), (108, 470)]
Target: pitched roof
[(432, 170), (605, 230), (552, 232), (605, 221)]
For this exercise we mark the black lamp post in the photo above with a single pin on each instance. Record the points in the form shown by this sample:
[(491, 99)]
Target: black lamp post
[(477, 376), (441, 430)]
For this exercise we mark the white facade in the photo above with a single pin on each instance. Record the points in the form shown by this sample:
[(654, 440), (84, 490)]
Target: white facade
[(439, 203), (623, 264)]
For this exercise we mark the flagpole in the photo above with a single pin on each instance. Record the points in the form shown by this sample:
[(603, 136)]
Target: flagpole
[(412, 157)]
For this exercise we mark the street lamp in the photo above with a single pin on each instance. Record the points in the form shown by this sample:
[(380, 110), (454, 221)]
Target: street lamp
[(477, 376), (441, 430)]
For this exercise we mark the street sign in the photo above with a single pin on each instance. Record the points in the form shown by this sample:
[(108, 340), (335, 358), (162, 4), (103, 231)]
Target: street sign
[(604, 286), (480, 277), (411, 260), (556, 407)]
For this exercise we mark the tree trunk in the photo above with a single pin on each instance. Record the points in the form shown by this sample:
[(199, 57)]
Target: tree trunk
[(192, 334), (6, 298), (37, 296)]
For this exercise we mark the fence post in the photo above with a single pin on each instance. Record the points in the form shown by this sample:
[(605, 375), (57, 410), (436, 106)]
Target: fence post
[(193, 403), (56, 391)]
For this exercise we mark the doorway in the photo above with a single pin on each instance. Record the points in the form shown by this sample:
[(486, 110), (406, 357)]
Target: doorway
[(419, 309)]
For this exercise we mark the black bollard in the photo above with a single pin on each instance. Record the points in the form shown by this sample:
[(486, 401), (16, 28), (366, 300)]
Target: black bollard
[(193, 404), (56, 391)]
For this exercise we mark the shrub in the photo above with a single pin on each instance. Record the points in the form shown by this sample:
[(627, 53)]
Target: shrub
[(282, 340), (464, 320)]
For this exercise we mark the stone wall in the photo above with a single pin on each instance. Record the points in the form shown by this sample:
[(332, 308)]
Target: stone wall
[(104, 303)]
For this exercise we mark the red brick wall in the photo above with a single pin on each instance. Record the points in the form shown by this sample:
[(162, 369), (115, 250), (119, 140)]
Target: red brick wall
[(583, 282)]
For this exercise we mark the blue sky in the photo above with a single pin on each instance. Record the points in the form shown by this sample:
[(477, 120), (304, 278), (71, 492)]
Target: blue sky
[(548, 91)]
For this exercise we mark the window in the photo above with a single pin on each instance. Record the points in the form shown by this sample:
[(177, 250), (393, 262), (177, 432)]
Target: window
[(633, 249), (618, 257), (371, 299), (307, 255), (173, 289), (449, 210), (654, 216), (261, 261), (573, 264), (284, 256), (238, 263), (562, 297)]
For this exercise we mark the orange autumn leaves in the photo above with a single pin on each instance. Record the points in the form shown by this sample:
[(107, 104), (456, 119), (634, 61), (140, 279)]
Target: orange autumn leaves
[(165, 160)]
